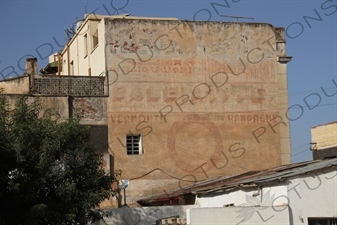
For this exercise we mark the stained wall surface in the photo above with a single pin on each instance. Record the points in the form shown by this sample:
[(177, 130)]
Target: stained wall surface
[(208, 98), (325, 136)]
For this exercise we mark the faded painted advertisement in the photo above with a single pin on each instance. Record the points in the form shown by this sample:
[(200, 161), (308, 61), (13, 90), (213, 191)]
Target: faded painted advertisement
[(206, 98)]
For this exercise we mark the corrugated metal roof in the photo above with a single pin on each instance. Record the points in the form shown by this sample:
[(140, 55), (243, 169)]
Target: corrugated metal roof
[(266, 176)]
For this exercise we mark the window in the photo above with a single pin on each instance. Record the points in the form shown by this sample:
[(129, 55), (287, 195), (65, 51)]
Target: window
[(71, 68), (322, 221), (85, 45), (95, 39), (134, 144)]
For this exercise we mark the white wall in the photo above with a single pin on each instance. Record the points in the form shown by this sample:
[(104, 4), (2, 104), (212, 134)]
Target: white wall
[(314, 196), (305, 196), (97, 56), (237, 215), (245, 198), (93, 57), (145, 215)]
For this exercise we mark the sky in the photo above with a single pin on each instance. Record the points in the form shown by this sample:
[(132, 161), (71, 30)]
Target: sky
[(36, 29)]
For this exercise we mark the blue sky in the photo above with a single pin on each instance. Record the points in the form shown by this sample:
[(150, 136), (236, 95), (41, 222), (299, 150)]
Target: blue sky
[(35, 28)]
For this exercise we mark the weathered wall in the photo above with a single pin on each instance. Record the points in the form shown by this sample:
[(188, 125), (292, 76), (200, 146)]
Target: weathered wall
[(325, 136), (201, 95), (288, 203), (91, 110), (56, 104), (19, 85)]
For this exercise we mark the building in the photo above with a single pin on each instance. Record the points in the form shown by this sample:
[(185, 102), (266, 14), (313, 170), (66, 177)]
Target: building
[(280, 195), (172, 101), (300, 193), (324, 141)]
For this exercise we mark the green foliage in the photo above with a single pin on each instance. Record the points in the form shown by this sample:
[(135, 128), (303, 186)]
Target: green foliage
[(49, 174)]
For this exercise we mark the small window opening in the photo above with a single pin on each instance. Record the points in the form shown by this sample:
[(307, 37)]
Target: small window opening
[(134, 144), (95, 39), (85, 45)]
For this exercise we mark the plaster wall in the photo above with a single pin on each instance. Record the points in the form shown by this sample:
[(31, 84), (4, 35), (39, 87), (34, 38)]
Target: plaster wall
[(208, 98), (80, 56), (325, 136), (245, 197), (237, 215), (18, 85), (306, 196)]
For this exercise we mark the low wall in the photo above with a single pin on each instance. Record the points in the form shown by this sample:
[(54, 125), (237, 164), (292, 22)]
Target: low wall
[(144, 215)]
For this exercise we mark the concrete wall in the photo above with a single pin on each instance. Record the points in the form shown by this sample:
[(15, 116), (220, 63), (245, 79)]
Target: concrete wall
[(143, 216), (19, 85), (238, 215), (313, 196), (325, 136), (201, 95), (245, 197)]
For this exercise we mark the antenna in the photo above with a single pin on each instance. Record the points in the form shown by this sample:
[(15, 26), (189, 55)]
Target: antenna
[(313, 146), (124, 184), (69, 33), (238, 17)]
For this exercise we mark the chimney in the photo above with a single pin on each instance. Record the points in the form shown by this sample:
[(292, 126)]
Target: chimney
[(31, 71), (31, 66)]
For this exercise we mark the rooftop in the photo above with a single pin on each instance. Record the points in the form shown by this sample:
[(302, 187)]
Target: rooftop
[(249, 179)]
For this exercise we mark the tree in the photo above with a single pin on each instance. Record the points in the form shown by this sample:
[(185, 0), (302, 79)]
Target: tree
[(49, 174)]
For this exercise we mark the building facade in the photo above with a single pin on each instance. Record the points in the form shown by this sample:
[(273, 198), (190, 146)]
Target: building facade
[(179, 100)]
